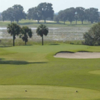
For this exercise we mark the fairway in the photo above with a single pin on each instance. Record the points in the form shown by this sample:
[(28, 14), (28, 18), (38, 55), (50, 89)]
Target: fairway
[(47, 92), (34, 68)]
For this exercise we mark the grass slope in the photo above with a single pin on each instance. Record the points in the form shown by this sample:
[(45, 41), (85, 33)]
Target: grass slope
[(35, 65)]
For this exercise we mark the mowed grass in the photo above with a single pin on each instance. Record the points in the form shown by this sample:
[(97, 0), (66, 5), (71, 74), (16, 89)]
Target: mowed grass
[(47, 92), (97, 72), (33, 68)]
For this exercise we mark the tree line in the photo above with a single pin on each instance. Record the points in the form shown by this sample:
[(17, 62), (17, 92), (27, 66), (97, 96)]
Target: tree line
[(44, 11), (78, 13)]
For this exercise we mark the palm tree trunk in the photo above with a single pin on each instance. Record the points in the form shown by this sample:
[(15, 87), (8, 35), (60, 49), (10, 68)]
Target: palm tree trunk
[(42, 39), (76, 22), (82, 21), (38, 22), (44, 21), (13, 40), (25, 42)]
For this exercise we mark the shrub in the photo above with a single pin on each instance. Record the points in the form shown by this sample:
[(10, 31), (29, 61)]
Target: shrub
[(92, 37)]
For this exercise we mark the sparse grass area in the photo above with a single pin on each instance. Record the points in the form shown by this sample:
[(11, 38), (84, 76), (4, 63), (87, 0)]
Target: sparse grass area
[(33, 68)]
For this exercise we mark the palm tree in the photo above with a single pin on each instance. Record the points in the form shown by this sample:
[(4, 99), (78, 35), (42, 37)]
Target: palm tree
[(13, 29), (26, 32), (42, 30)]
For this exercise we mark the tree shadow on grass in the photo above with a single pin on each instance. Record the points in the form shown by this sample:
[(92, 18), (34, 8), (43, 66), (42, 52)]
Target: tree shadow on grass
[(18, 62)]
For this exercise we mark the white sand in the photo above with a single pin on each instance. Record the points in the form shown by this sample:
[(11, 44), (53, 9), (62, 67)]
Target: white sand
[(78, 55)]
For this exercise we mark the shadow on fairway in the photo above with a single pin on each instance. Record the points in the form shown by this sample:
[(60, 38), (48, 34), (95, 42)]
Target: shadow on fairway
[(1, 59), (18, 62)]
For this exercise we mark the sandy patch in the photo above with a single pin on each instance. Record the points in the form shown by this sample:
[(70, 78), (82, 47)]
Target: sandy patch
[(78, 55)]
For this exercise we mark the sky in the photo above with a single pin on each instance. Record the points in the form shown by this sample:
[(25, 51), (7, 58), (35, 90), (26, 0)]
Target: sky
[(57, 4)]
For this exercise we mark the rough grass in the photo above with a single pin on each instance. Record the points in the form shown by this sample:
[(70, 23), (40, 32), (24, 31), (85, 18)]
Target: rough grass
[(35, 65)]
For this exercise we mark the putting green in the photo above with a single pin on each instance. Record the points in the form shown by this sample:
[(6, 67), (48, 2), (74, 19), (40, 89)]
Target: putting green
[(95, 72), (47, 92)]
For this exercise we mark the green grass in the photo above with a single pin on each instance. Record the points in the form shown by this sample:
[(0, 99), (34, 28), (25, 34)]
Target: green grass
[(47, 78), (96, 72), (47, 92), (32, 23)]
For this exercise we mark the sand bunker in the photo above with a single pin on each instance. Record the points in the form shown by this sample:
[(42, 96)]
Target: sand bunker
[(78, 55)]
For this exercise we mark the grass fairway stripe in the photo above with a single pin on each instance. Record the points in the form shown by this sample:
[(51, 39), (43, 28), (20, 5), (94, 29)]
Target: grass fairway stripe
[(47, 92), (97, 72)]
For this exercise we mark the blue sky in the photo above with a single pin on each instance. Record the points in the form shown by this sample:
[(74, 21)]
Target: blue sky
[(57, 4)]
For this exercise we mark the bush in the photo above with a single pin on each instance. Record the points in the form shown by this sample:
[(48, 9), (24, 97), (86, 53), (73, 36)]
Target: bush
[(92, 37)]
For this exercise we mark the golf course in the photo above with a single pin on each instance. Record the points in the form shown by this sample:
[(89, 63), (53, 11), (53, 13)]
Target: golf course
[(32, 72)]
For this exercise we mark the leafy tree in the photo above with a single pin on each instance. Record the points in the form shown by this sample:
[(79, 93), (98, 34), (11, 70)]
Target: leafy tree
[(46, 10), (14, 30), (92, 15), (34, 13), (62, 16), (29, 14), (81, 13), (76, 16), (4, 15), (0, 16), (43, 11), (18, 12), (42, 30), (14, 13), (26, 32), (92, 37), (71, 14), (10, 14), (56, 18), (67, 14)]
